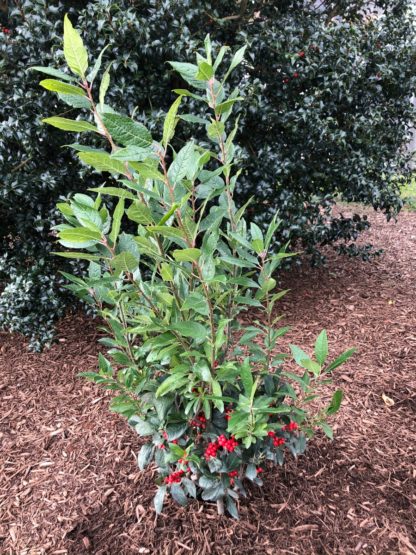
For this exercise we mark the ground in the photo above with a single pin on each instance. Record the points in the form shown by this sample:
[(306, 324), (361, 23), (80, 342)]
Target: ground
[(69, 483)]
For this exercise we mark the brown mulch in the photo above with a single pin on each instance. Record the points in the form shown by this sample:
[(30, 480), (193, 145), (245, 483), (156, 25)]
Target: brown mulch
[(69, 483)]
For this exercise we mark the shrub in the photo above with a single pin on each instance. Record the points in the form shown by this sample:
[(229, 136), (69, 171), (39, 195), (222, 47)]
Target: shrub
[(336, 129), (208, 390)]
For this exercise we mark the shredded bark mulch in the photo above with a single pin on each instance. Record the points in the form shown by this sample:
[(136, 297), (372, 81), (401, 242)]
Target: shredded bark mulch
[(69, 483)]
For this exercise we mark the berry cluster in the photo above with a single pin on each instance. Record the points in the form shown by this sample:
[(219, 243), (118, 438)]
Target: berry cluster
[(233, 473), (291, 427), (277, 441), (199, 422), (227, 444), (228, 411), (175, 477)]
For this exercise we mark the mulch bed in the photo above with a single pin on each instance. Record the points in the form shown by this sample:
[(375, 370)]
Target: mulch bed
[(69, 483)]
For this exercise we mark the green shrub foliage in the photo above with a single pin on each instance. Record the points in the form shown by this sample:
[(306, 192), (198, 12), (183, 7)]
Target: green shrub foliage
[(208, 392), (327, 115)]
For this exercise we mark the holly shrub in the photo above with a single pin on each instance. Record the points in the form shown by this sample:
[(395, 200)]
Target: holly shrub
[(207, 390), (327, 116)]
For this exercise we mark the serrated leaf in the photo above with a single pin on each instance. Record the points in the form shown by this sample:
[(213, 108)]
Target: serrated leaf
[(75, 52), (205, 71), (53, 72), (60, 87), (70, 124), (144, 456), (105, 83), (340, 360), (78, 255), (327, 430), (102, 161), (321, 347), (231, 507), (159, 499), (140, 213), (214, 492), (171, 383), (190, 329), (335, 402), (186, 255), (182, 164), (127, 132), (246, 376), (114, 192), (189, 487), (170, 122), (142, 427), (178, 495), (196, 301), (75, 101)]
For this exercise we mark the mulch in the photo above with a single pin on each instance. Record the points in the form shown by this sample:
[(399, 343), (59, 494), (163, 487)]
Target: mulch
[(69, 483)]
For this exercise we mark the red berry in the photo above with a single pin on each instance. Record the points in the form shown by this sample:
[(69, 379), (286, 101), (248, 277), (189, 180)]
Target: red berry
[(271, 433), (286, 80), (259, 470), (301, 54), (296, 75)]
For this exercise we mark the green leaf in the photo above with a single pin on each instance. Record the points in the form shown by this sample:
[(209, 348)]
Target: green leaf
[(182, 164), (80, 234), (75, 53), (196, 301), (327, 430), (117, 216), (170, 122), (114, 192), (335, 402), (159, 499), (188, 73), (59, 87), (186, 255), (53, 72), (214, 492), (124, 262), (251, 472), (140, 213), (102, 161), (127, 132), (232, 507), (78, 255), (93, 73), (142, 427), (105, 83), (311, 365), (299, 355), (321, 347), (167, 231), (190, 329), (166, 272), (132, 154), (70, 124), (225, 106), (75, 101), (172, 383), (205, 71), (144, 456), (246, 376), (340, 360), (237, 58), (178, 494)]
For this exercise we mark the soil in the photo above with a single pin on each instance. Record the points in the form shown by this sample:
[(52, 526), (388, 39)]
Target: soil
[(69, 483)]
